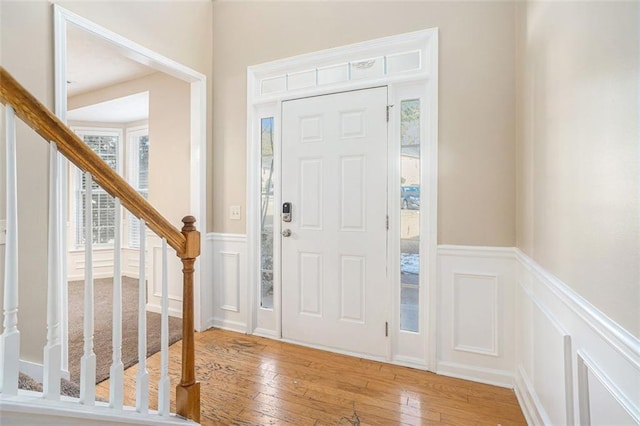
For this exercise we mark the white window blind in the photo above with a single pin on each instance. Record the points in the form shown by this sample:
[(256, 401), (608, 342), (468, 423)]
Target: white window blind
[(105, 143), (137, 175)]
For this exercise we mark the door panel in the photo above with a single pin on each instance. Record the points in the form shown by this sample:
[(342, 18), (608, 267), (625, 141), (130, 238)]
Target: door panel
[(334, 173)]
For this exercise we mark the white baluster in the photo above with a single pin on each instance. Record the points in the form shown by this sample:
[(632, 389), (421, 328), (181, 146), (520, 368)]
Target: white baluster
[(164, 384), (88, 360), (53, 348), (116, 373), (142, 379), (63, 165), (10, 339)]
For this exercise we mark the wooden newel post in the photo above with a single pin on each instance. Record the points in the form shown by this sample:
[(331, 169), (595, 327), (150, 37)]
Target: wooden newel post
[(188, 391)]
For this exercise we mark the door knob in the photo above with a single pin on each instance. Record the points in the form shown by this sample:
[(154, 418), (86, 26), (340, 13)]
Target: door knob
[(286, 233)]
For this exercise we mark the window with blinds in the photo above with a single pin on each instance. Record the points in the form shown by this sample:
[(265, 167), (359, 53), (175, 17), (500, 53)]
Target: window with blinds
[(106, 144), (137, 175)]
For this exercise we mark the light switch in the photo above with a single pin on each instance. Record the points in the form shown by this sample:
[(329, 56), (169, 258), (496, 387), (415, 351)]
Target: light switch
[(234, 213)]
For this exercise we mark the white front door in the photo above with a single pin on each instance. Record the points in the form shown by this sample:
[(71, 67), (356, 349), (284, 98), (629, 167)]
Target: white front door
[(334, 262)]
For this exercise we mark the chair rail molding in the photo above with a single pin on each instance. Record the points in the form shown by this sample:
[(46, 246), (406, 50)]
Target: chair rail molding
[(572, 361)]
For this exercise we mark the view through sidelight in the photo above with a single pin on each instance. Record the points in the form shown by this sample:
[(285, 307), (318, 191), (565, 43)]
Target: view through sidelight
[(266, 213), (410, 215)]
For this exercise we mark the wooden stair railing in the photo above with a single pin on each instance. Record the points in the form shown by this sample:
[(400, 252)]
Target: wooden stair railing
[(186, 242)]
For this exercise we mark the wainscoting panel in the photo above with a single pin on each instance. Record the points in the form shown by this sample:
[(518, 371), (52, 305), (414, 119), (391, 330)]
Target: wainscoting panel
[(154, 277), (131, 262), (475, 313), (502, 319), (552, 367), (102, 264), (476, 318), (230, 281), (573, 364), (228, 257)]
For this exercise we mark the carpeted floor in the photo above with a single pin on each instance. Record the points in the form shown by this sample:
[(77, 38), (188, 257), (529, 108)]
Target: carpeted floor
[(103, 304)]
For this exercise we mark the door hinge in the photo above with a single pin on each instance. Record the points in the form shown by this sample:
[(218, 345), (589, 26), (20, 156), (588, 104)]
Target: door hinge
[(387, 222), (389, 111), (386, 329)]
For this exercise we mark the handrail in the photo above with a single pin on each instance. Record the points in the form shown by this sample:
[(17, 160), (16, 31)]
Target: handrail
[(185, 242), (47, 125)]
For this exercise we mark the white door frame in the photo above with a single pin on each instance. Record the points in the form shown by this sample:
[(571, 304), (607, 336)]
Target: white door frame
[(399, 61), (198, 141)]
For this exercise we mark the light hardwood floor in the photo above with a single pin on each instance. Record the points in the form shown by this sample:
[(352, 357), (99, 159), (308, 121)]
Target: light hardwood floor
[(251, 380)]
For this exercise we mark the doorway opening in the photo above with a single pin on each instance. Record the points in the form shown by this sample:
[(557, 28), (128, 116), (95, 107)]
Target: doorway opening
[(138, 71)]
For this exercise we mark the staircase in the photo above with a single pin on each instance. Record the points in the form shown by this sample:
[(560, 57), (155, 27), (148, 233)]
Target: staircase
[(49, 406)]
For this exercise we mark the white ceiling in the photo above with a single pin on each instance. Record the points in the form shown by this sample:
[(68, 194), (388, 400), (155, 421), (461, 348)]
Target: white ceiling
[(121, 110), (92, 64)]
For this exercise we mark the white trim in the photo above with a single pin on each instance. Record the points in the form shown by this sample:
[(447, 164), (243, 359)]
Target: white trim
[(490, 376), (337, 351), (232, 318), (32, 408), (592, 342), (263, 332), (476, 251), (223, 324), (586, 365), (198, 132), (33, 370), (495, 340), (528, 399), (235, 238), (423, 73), (619, 338)]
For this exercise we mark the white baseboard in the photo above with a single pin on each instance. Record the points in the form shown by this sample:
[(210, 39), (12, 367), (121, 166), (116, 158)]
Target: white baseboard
[(36, 371), (489, 376), (158, 310), (32, 369), (229, 325), (263, 332), (529, 402)]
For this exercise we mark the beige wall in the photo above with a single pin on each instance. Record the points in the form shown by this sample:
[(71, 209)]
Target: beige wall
[(21, 25), (476, 109), (169, 130), (578, 150), (181, 31)]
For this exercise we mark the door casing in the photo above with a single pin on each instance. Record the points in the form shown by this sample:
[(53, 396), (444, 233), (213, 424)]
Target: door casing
[(198, 146), (366, 65)]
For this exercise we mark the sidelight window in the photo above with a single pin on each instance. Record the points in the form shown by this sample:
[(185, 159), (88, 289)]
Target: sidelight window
[(266, 213), (410, 214)]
